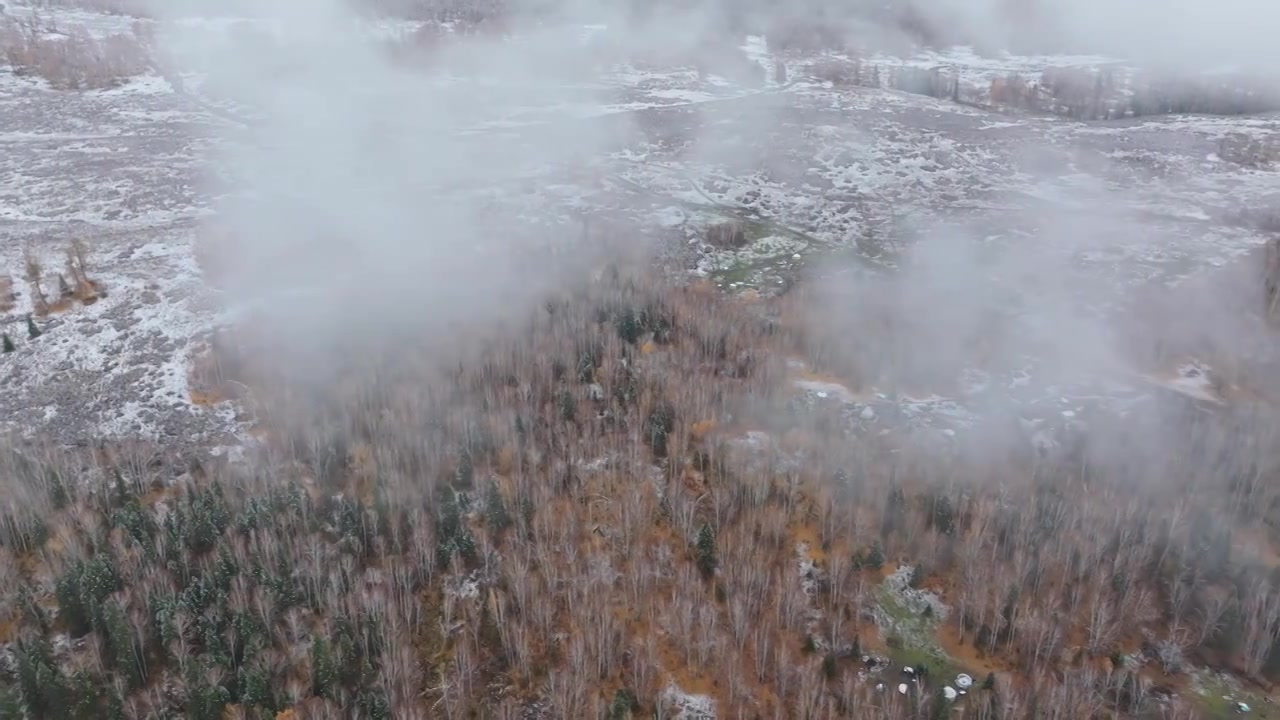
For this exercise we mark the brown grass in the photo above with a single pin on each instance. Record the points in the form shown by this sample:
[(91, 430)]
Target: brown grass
[(72, 59), (72, 287), (8, 296)]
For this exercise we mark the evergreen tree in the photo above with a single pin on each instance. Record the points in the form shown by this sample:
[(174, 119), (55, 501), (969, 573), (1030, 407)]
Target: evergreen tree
[(162, 609), (32, 330), (123, 489), (588, 361), (7, 342), (84, 697), (525, 511), (893, 512), (568, 408), (875, 558), (706, 551), (44, 690), (115, 704), (917, 576), (495, 509), (324, 669), (373, 704), (628, 325), (623, 705), (659, 425), (68, 590), (124, 650), (255, 688), (465, 474), (206, 701), (32, 612), (10, 703), (465, 543), (943, 517)]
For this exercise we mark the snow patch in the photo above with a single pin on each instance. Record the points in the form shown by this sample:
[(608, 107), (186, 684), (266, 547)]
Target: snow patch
[(688, 706)]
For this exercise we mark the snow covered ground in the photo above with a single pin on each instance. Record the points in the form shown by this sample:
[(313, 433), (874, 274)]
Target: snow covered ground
[(812, 165)]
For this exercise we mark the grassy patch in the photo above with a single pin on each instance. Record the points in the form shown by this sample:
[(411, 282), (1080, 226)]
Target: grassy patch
[(1217, 695), (757, 230), (767, 260), (737, 272), (912, 635), (941, 669)]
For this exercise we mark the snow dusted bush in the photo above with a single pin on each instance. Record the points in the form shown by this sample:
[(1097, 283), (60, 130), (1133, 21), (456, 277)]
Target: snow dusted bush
[(72, 59)]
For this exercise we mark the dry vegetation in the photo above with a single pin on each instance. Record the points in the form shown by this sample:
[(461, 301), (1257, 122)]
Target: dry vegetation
[(71, 59), (1078, 93), (465, 15), (620, 510), (133, 8), (54, 292), (8, 295), (50, 292)]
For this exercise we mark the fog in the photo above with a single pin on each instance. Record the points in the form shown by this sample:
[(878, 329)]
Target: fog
[(1168, 33), (367, 192), (363, 197)]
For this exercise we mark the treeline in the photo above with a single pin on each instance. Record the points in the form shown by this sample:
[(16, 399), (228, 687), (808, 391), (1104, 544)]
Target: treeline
[(616, 505)]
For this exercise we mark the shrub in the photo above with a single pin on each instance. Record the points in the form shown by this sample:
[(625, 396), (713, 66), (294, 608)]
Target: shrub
[(72, 60)]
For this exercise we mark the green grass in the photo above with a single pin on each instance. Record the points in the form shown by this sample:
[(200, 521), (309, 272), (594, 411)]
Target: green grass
[(738, 272), (759, 264), (900, 613), (1209, 690), (917, 638), (941, 668)]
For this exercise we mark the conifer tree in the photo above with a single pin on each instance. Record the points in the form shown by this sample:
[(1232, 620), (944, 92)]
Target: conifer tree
[(8, 343), (706, 550), (324, 669), (875, 558), (623, 705), (10, 703), (373, 704), (495, 509), (659, 425), (43, 687), (32, 330), (465, 473), (628, 325), (255, 688), (125, 653), (206, 701)]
